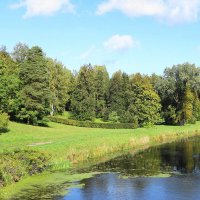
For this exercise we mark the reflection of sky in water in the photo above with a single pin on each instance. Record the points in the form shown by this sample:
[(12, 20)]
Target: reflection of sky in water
[(110, 187)]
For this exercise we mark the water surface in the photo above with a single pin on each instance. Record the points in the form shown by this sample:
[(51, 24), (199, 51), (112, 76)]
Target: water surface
[(140, 176)]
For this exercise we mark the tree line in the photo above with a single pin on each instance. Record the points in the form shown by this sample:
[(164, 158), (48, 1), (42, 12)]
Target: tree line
[(33, 86)]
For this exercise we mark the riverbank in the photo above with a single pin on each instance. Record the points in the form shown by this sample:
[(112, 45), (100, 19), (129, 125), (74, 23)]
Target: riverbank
[(71, 147)]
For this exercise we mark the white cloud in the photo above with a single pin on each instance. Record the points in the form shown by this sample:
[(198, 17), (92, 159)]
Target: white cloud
[(43, 7), (173, 11), (131, 7), (120, 43)]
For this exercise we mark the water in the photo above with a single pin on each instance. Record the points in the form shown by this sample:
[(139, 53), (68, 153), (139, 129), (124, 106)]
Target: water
[(111, 187), (130, 177), (170, 172)]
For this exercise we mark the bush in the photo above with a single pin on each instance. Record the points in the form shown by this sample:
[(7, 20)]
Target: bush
[(113, 117), (93, 124), (19, 163), (43, 122), (4, 119)]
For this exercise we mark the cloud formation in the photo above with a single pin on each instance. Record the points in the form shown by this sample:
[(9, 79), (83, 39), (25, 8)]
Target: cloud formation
[(173, 11), (120, 43), (43, 7)]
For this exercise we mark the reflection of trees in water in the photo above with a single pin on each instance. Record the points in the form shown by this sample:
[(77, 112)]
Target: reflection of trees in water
[(183, 156), (110, 186), (180, 157), (145, 163)]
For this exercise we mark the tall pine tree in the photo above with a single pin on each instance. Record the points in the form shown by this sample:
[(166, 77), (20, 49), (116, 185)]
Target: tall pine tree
[(35, 91), (118, 94), (83, 97), (101, 90)]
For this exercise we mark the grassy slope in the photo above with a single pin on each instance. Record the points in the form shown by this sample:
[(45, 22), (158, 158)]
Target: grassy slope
[(79, 144)]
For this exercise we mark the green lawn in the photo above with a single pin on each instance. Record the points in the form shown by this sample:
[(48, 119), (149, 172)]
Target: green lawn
[(65, 115), (78, 144)]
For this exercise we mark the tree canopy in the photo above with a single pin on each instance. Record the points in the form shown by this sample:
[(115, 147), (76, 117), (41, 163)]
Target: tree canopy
[(33, 86)]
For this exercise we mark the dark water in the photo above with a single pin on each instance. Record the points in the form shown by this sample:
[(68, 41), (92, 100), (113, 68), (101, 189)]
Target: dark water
[(130, 176)]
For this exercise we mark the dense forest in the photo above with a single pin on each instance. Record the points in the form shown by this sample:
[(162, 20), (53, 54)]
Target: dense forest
[(34, 86)]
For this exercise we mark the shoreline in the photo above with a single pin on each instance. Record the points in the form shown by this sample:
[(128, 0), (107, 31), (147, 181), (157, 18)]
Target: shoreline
[(141, 145)]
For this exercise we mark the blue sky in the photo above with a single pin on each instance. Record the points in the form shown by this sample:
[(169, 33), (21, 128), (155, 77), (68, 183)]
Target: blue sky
[(132, 35)]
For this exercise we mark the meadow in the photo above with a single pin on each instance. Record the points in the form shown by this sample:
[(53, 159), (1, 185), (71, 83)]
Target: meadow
[(69, 145)]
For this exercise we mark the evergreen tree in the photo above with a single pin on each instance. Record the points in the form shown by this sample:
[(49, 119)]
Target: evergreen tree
[(35, 91), (101, 82), (83, 97), (119, 92)]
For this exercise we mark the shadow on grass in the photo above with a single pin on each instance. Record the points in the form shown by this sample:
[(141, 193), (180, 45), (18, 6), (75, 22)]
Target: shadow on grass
[(4, 130)]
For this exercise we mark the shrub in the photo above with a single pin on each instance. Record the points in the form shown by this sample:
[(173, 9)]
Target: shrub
[(4, 119), (19, 163), (113, 117), (93, 124)]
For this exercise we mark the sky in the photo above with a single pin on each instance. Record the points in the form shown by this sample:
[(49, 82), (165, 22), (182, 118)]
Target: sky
[(143, 36)]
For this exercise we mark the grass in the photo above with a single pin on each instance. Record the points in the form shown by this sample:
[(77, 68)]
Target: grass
[(99, 120), (65, 115), (68, 144)]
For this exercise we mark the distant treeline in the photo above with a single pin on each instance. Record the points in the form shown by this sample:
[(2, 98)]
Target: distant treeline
[(33, 86)]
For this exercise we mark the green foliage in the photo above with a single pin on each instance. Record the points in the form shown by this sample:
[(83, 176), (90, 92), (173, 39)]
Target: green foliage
[(128, 117), (170, 115), (4, 119), (83, 97), (187, 110), (93, 124), (144, 101), (113, 117), (9, 85), (118, 91), (33, 86), (196, 107), (133, 99), (101, 81), (35, 92), (60, 86), (19, 163), (179, 90)]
